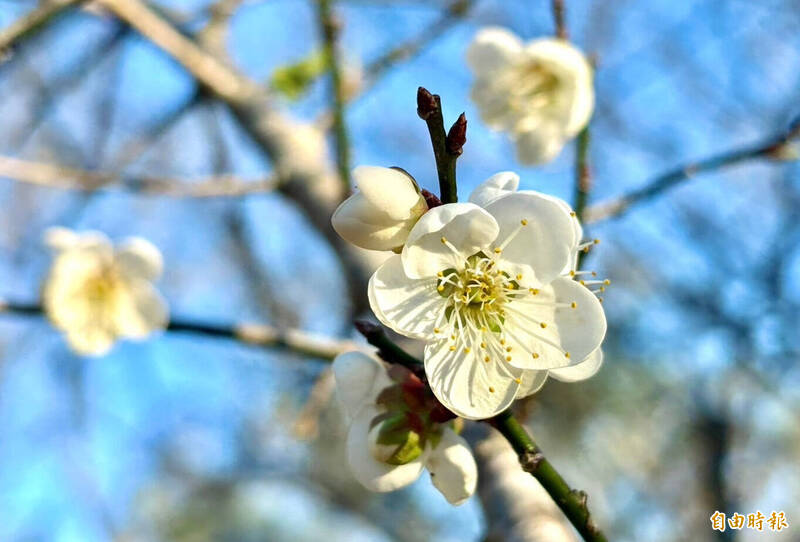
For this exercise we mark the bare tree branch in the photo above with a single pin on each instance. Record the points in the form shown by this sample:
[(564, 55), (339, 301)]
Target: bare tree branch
[(33, 21)]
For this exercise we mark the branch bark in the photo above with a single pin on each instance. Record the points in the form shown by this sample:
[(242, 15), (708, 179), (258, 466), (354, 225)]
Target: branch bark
[(34, 21)]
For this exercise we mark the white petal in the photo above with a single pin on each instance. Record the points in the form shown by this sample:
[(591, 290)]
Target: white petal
[(139, 309), (492, 49), (578, 331), (408, 306), (59, 238), (490, 94), (92, 340), (356, 220), (372, 474), (497, 185), (453, 469), (465, 226), (583, 370), (136, 257), (539, 146), (575, 77), (532, 381), (388, 190), (466, 384), (356, 375), (544, 244)]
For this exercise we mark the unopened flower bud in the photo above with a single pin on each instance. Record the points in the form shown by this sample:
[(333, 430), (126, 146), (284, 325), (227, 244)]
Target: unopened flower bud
[(379, 215)]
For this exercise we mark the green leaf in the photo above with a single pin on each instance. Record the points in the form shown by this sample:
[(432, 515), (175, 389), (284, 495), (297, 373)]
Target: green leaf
[(294, 80)]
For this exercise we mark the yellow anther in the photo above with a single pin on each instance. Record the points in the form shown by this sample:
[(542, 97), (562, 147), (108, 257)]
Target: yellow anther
[(594, 274), (573, 305), (444, 240), (508, 349), (491, 389), (518, 381), (440, 274), (566, 354), (607, 282), (534, 291), (523, 222), (502, 341), (583, 282), (452, 348), (483, 345), (586, 250), (572, 213), (596, 241), (486, 359), (453, 337), (535, 355), (483, 328), (572, 273), (508, 358), (543, 325), (519, 277), (467, 350), (498, 250), (440, 288), (602, 288), (600, 299), (437, 330)]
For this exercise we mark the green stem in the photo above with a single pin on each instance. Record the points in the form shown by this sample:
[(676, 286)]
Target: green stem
[(583, 181), (329, 28), (533, 461)]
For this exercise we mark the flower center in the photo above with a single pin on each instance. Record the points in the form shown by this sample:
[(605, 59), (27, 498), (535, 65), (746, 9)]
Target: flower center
[(535, 86)]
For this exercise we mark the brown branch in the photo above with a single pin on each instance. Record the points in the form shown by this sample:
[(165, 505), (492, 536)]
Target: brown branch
[(34, 21), (64, 177), (768, 148)]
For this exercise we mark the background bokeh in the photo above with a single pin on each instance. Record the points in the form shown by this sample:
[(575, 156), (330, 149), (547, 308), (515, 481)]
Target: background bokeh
[(190, 438)]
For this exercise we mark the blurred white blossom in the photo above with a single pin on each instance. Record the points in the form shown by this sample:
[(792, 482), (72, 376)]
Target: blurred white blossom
[(490, 286), (540, 92), (96, 293), (381, 212), (392, 435)]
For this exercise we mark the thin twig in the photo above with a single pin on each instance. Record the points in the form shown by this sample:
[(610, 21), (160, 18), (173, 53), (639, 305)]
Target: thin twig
[(32, 22), (295, 340), (446, 145), (329, 28), (559, 17), (453, 14), (583, 180), (533, 461), (766, 148), (64, 177)]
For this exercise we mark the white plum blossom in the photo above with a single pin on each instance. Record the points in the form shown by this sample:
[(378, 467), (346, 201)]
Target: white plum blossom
[(392, 436), (384, 208), (540, 92), (491, 287), (96, 293)]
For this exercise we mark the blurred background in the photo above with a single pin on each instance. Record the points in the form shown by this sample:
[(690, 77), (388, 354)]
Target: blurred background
[(188, 437)]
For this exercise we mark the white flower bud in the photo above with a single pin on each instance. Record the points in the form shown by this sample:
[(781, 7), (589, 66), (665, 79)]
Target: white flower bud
[(392, 441), (379, 215)]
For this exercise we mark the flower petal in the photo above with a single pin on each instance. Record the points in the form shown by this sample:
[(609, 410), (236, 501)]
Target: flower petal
[(139, 309), (372, 474), (91, 340), (59, 238), (583, 370), (467, 229), (411, 307), (356, 220), (453, 469), (136, 257), (575, 76), (388, 190), (492, 49), (357, 376), (539, 145), (532, 381), (466, 384), (577, 331), (497, 185), (543, 245)]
